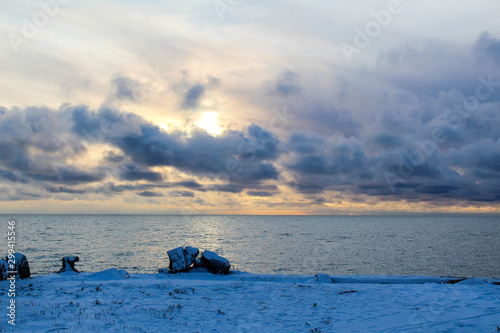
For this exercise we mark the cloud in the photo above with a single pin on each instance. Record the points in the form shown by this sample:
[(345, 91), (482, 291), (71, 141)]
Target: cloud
[(288, 83), (63, 189), (149, 194), (8, 175), (184, 194), (234, 155), (126, 88), (339, 156), (369, 133), (305, 143), (435, 153), (192, 96), (260, 194), (113, 157), (40, 144), (133, 173), (190, 184), (319, 201), (194, 93), (487, 48)]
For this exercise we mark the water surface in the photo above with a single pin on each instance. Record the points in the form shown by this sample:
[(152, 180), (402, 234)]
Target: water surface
[(385, 245)]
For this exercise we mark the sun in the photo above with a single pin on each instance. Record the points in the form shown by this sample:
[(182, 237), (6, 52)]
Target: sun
[(209, 123)]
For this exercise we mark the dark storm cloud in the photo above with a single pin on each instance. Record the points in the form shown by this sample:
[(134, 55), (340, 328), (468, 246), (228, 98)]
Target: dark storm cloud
[(437, 189), (27, 136), (190, 184), (234, 155), (319, 201), (308, 188), (37, 143), (65, 175), (288, 83), (344, 158), (330, 120), (8, 175), (432, 67), (133, 173), (260, 194), (425, 144), (34, 142), (262, 143), (470, 172), (231, 188), (387, 141), (149, 194), (305, 143)]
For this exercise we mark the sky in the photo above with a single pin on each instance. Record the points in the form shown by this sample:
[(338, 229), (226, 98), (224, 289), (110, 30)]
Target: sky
[(249, 107)]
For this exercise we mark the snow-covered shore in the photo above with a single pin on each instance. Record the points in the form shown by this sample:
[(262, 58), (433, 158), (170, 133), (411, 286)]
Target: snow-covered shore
[(112, 301)]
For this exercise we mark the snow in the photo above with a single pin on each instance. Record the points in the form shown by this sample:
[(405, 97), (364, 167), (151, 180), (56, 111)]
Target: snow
[(108, 275), (323, 278), (114, 301)]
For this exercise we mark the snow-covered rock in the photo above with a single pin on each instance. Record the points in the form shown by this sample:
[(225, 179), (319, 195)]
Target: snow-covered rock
[(109, 274), (323, 278), (190, 254), (474, 281), (215, 263), (4, 268), (21, 265), (198, 263), (177, 260), (181, 259), (68, 264)]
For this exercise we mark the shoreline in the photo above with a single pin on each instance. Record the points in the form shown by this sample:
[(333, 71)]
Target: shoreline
[(112, 300)]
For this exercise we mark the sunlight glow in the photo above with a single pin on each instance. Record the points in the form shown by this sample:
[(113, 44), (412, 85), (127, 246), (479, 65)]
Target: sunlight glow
[(209, 123), (163, 126)]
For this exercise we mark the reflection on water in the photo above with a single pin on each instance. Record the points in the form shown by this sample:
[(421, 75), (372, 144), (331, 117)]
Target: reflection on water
[(387, 245)]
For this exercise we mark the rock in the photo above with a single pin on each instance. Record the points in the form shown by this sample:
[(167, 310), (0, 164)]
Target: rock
[(163, 270), (198, 263), (4, 268), (190, 254), (323, 278), (21, 265), (215, 263), (68, 264), (177, 260), (181, 259)]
